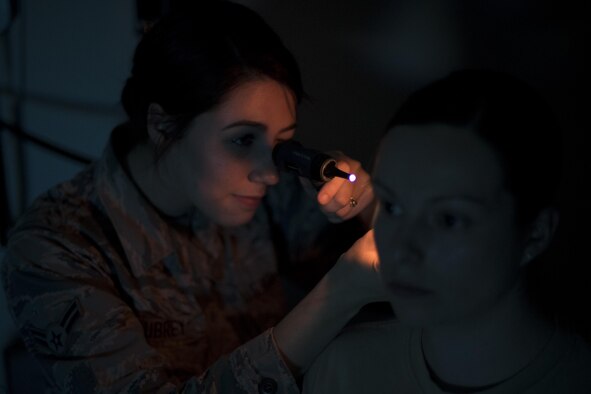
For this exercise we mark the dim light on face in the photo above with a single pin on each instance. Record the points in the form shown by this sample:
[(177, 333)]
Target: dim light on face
[(445, 227)]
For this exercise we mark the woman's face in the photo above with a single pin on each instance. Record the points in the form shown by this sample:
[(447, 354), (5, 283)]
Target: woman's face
[(445, 227), (223, 164)]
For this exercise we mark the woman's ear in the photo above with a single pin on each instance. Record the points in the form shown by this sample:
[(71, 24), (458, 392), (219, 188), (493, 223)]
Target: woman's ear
[(540, 234), (159, 123)]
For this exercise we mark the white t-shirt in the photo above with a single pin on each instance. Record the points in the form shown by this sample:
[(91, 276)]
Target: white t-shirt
[(386, 357)]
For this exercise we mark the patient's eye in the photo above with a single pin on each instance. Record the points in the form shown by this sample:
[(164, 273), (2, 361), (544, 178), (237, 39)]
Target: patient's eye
[(450, 220)]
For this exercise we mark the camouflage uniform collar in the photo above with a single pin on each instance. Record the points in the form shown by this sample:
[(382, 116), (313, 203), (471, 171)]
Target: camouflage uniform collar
[(144, 233)]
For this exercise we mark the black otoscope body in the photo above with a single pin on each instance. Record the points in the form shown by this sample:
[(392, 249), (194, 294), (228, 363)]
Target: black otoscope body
[(308, 163)]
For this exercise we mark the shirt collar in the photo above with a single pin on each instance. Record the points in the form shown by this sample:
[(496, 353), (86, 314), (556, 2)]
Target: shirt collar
[(144, 233)]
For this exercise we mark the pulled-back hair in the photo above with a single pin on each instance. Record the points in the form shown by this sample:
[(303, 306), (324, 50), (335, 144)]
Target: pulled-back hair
[(511, 117), (193, 57)]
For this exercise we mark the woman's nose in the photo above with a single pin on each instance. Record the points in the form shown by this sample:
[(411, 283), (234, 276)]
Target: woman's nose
[(403, 246), (404, 253), (265, 172)]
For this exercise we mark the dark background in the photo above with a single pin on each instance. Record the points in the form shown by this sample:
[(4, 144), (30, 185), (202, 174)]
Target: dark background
[(63, 64)]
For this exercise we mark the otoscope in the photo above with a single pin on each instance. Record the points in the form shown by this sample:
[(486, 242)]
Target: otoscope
[(308, 163)]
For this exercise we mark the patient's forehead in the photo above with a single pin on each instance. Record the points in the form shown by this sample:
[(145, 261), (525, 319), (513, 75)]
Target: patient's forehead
[(438, 159)]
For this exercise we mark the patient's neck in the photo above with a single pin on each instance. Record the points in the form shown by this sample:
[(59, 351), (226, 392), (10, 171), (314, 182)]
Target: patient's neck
[(489, 347)]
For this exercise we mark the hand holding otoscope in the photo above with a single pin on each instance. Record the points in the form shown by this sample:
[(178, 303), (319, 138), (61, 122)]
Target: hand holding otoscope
[(339, 199)]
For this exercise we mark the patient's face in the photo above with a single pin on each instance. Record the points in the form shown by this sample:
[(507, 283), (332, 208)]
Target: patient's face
[(445, 228)]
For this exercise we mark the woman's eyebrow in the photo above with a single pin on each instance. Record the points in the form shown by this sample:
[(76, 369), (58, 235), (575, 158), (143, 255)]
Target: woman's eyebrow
[(245, 123), (257, 125), (462, 197)]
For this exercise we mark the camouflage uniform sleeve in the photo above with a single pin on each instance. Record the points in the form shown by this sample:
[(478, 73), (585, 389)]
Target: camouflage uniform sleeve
[(88, 339)]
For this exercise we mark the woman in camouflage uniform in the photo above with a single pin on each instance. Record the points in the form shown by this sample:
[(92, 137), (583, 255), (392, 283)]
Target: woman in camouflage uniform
[(155, 269)]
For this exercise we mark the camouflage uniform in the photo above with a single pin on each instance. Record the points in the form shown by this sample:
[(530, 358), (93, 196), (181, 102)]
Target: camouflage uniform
[(111, 296)]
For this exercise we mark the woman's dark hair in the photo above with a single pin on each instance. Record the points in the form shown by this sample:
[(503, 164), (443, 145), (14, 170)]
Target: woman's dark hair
[(196, 55), (511, 117)]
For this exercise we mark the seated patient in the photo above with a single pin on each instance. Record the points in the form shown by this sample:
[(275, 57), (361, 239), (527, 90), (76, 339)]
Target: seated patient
[(466, 177)]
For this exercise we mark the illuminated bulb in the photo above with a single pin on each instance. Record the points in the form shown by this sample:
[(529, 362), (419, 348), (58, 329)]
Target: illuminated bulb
[(352, 178)]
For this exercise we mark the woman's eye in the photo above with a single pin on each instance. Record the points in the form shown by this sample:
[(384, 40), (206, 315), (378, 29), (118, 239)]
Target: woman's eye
[(245, 140), (451, 221)]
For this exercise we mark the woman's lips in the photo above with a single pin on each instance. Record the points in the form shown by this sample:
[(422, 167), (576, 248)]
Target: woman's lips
[(249, 202), (407, 290)]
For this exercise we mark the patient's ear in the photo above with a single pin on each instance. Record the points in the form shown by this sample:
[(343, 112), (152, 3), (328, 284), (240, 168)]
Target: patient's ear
[(159, 124), (540, 234)]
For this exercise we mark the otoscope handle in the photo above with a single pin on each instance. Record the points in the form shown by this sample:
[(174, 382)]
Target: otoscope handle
[(308, 163)]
